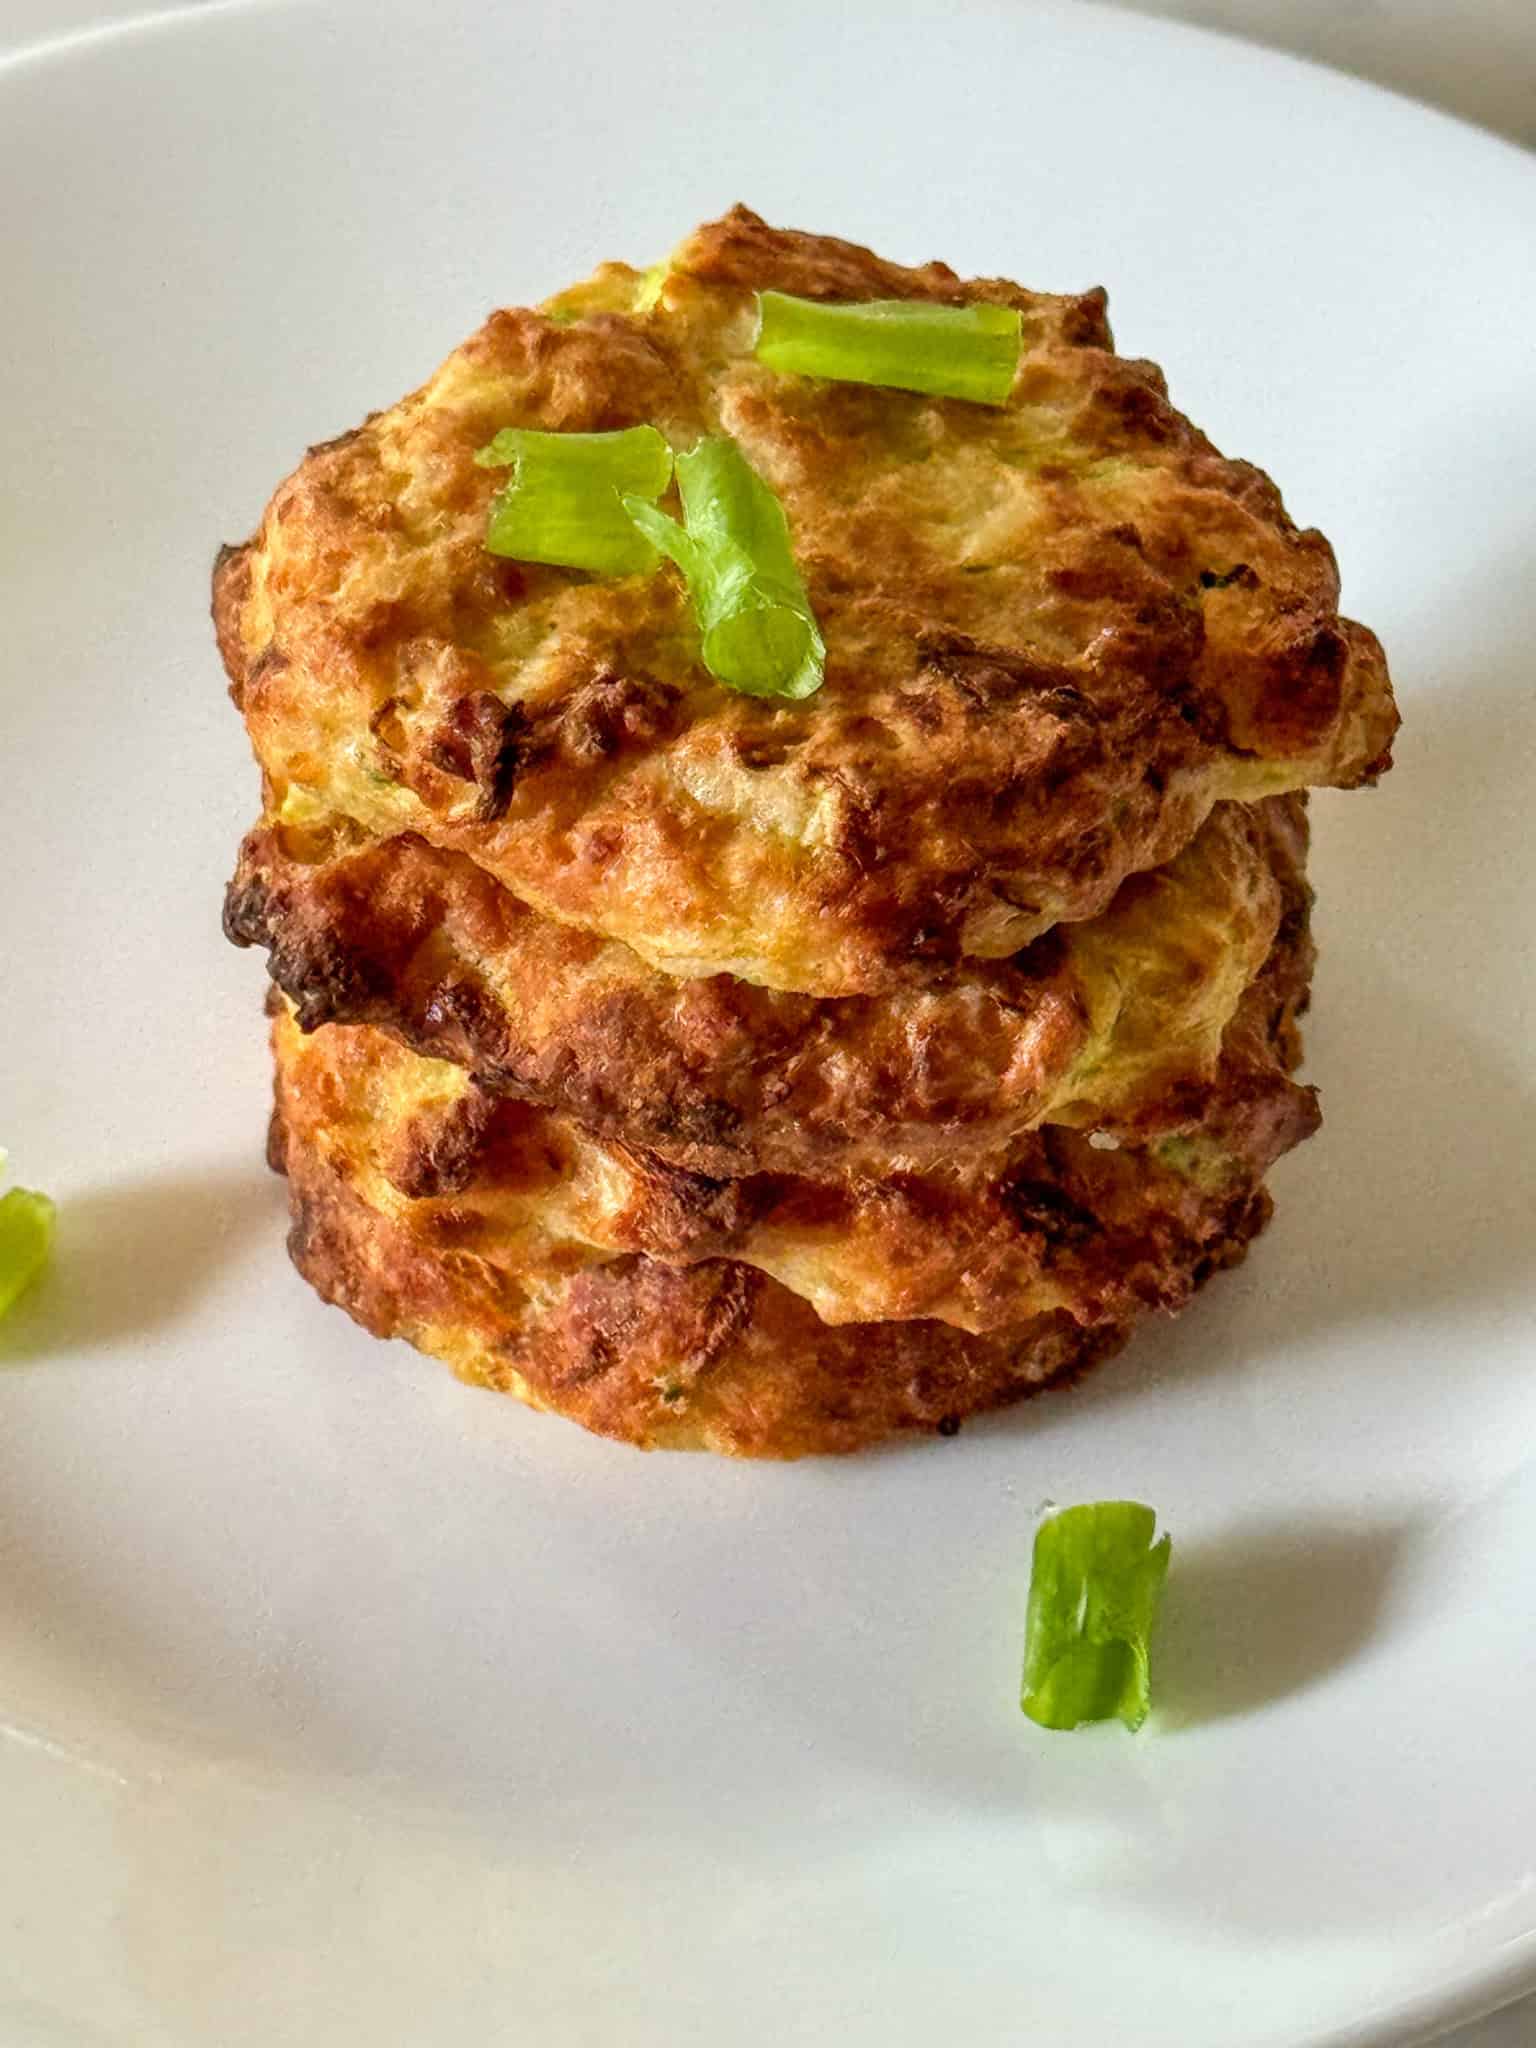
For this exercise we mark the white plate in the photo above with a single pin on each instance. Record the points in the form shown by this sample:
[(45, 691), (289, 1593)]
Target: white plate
[(343, 1705)]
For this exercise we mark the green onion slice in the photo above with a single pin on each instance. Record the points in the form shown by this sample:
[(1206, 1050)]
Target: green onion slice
[(760, 634), (26, 1238), (947, 351), (563, 504), (1094, 1591)]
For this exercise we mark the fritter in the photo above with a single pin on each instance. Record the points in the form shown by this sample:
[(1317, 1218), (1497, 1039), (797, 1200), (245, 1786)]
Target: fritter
[(1057, 634), (1115, 1024), (1062, 1222), (714, 1355)]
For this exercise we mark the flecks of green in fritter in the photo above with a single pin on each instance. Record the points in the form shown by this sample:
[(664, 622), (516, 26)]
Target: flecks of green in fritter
[(759, 633)]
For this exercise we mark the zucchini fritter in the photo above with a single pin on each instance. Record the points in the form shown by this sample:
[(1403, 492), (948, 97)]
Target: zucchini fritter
[(775, 1076), (1061, 1225), (1116, 1023), (714, 1357), (1058, 632), (668, 1350)]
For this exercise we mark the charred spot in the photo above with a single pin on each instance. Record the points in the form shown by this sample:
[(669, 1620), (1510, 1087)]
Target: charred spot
[(1303, 688), (933, 943), (710, 1121), (440, 1150), (948, 1425), (386, 618), (1044, 1210), (985, 677), (1140, 406), (1239, 573), (247, 908), (462, 1009), (925, 708), (766, 752), (682, 1209), (603, 716), (481, 742), (321, 976), (1327, 657), (327, 983), (1159, 637), (1041, 960), (1085, 322), (1294, 931)]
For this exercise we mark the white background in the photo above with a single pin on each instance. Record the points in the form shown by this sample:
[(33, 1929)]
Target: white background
[(1477, 60)]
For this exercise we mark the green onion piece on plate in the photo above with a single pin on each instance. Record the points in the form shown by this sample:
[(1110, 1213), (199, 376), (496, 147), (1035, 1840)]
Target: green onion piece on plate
[(26, 1238), (563, 504), (759, 632), (1094, 1591), (947, 351)]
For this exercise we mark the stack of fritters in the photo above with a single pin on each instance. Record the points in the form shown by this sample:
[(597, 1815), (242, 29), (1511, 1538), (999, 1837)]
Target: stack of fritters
[(773, 1076)]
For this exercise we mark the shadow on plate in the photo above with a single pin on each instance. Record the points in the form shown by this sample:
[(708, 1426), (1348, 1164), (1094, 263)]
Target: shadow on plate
[(1419, 1192), (132, 1254), (1269, 1611)]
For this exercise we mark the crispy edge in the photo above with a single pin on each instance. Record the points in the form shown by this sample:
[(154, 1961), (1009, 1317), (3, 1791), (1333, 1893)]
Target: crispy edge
[(713, 1075), (713, 1357), (1062, 1223), (883, 892)]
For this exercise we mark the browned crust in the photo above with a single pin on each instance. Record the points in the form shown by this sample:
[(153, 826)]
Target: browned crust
[(723, 1078), (1060, 1224), (712, 1356), (991, 753)]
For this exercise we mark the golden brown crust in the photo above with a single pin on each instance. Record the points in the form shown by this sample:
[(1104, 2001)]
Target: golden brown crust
[(1114, 1024), (712, 1356), (1057, 634), (1059, 1223)]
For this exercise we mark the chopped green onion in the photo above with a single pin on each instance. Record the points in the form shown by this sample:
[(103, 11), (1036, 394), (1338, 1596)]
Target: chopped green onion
[(947, 351), (26, 1238), (760, 634), (563, 506), (1094, 1591)]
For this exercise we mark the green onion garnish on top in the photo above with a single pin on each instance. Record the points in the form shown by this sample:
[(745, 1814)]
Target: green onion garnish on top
[(759, 633), (947, 351), (1094, 1592), (26, 1238), (563, 503)]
